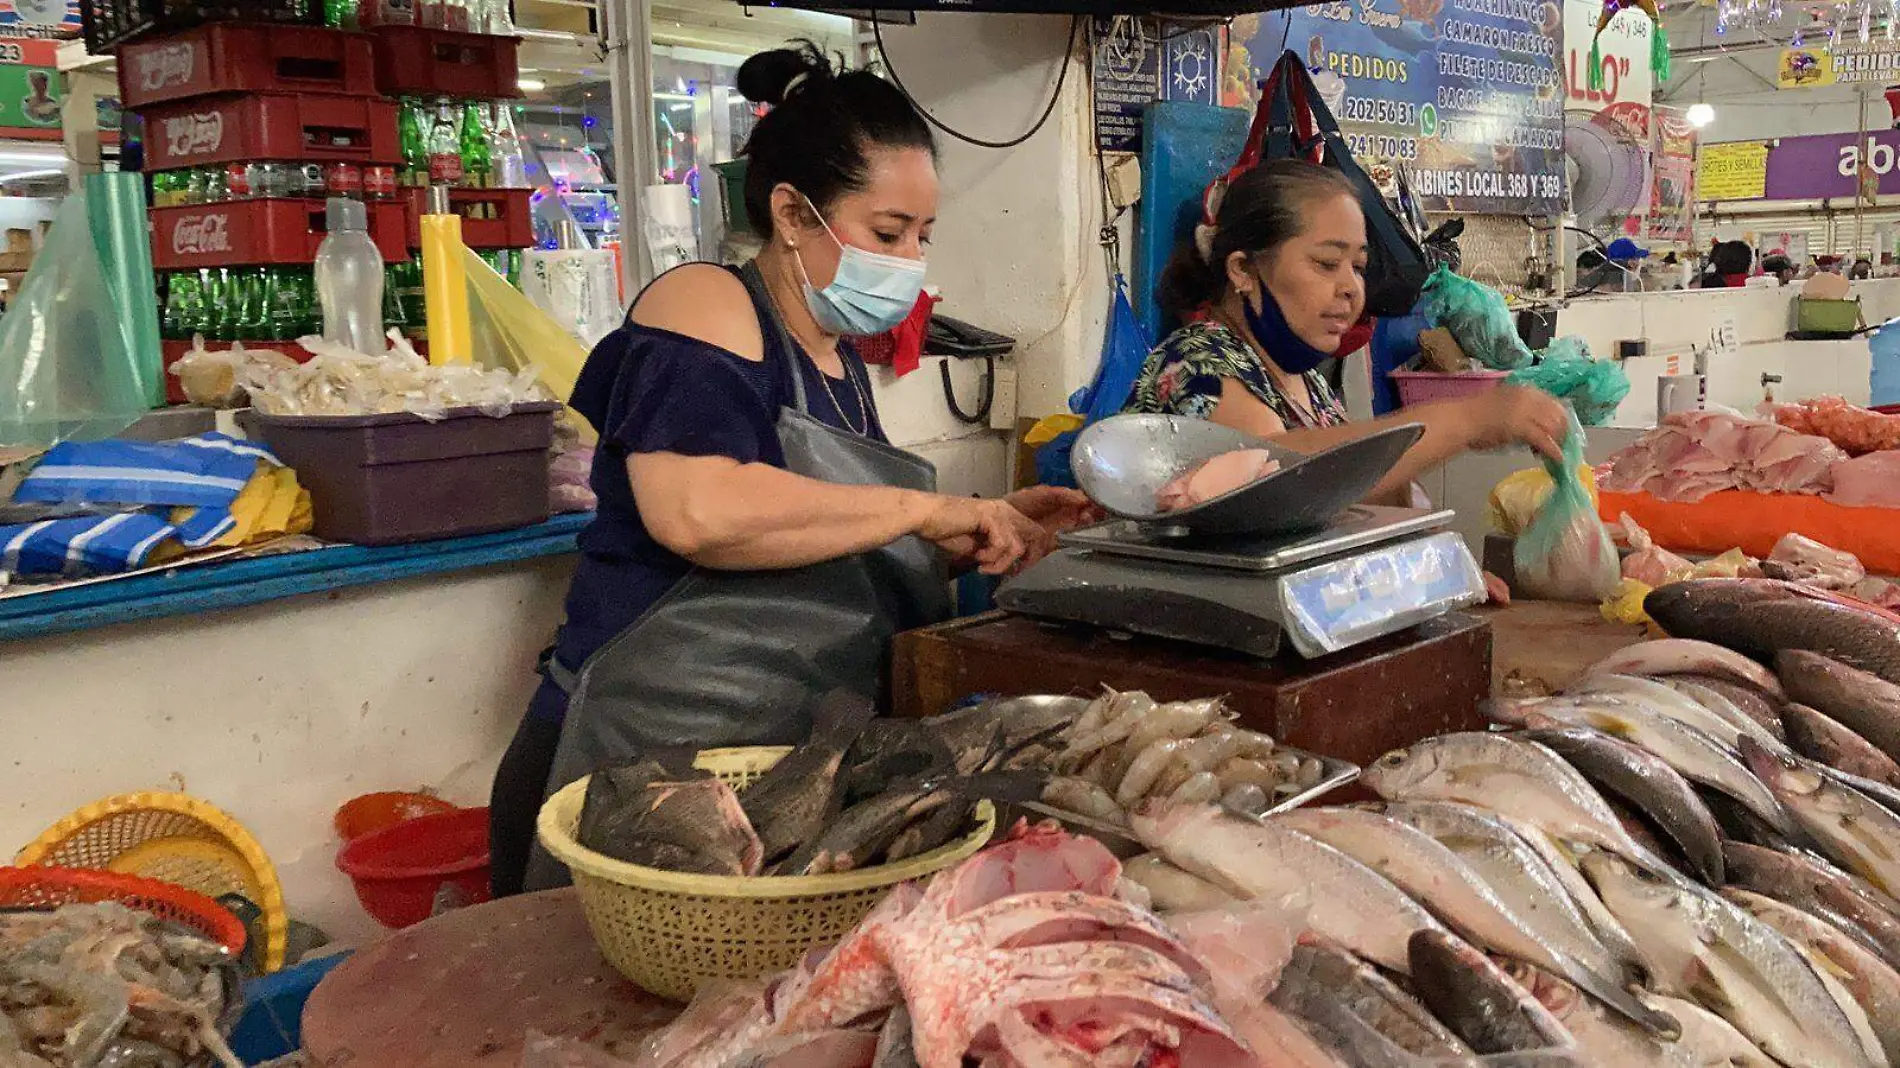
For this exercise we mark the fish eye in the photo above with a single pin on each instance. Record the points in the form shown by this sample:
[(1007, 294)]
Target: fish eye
[(1393, 759)]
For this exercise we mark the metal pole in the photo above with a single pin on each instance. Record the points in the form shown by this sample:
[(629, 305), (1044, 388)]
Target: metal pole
[(1860, 150), (626, 29)]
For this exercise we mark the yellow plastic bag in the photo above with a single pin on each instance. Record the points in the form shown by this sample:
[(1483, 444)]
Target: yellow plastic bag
[(1625, 605), (1517, 498), (510, 332), (1051, 427)]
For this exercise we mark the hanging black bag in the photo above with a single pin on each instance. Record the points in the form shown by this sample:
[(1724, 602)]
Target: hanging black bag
[(1292, 122)]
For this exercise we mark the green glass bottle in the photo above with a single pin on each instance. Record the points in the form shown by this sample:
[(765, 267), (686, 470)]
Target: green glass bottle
[(415, 145), (395, 312), (340, 14), (184, 305), (478, 161), (211, 312), (255, 285)]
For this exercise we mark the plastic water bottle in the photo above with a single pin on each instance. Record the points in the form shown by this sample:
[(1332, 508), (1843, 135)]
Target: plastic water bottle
[(349, 280)]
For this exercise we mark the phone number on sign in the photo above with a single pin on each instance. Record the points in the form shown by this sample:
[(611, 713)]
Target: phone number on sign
[(1383, 112), (1372, 146), (1487, 184)]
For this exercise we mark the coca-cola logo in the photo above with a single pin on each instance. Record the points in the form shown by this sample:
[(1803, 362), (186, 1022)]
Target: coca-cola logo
[(197, 235), (166, 66), (194, 135)]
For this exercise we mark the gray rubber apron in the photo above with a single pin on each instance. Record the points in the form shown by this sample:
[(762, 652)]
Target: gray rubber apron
[(740, 657)]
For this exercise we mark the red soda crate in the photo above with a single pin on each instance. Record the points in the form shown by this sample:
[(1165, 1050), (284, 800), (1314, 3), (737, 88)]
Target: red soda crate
[(313, 128), (413, 60), (260, 233), (173, 350), (238, 57), (491, 218)]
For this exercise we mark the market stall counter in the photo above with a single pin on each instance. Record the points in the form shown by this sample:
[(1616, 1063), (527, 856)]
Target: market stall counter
[(1354, 705)]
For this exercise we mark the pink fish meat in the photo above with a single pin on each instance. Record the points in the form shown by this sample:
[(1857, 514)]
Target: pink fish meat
[(1869, 481), (1694, 454), (1216, 477)]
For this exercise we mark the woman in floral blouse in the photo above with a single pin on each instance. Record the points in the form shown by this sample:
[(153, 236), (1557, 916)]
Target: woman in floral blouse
[(1269, 293)]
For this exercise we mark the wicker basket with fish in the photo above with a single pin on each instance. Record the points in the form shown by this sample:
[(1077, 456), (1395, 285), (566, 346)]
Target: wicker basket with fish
[(733, 863)]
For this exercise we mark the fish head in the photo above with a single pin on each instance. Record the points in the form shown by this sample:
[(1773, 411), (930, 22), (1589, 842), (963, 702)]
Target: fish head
[(1512, 711), (1393, 774), (1553, 993), (1624, 887)]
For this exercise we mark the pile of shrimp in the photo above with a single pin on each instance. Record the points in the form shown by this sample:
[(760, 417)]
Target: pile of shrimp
[(104, 986), (1126, 748), (1858, 431)]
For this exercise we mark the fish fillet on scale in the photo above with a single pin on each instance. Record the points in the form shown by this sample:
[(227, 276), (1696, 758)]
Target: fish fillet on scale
[(1073, 973)]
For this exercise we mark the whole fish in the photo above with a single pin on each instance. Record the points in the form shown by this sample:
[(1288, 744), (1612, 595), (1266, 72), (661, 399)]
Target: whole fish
[(1478, 769), (1435, 877), (1749, 701), (931, 831), (1695, 755), (1374, 1022), (1857, 910), (1522, 879), (1737, 966), (1648, 783), (1888, 796), (1852, 635), (1348, 902), (866, 830), (1870, 980), (696, 827), (1680, 656), (890, 750), (1758, 712), (1720, 723), (793, 801), (1863, 703), (1560, 859), (1820, 738), (1608, 1039), (1855, 831), (1478, 1001)]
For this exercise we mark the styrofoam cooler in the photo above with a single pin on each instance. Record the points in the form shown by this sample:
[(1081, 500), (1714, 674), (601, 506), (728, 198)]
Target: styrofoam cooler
[(578, 288)]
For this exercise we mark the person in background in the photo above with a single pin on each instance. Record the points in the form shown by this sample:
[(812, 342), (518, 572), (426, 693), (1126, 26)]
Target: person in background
[(1778, 265), (1729, 264), (1267, 294), (721, 589), (1617, 266)]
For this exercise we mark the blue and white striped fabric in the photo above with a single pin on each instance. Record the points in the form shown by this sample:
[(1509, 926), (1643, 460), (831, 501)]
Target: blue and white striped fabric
[(86, 545), (201, 472)]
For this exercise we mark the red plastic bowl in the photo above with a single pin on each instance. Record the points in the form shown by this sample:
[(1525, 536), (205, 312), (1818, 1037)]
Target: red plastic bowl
[(49, 888), (399, 870)]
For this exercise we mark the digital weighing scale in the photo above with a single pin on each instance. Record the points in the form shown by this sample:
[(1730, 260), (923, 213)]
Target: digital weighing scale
[(1371, 572)]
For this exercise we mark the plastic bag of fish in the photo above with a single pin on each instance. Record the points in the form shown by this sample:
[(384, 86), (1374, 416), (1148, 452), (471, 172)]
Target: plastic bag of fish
[(1125, 749), (90, 986), (861, 791)]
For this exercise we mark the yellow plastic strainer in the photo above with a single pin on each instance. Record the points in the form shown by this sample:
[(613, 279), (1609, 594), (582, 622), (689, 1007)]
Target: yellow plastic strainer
[(174, 838)]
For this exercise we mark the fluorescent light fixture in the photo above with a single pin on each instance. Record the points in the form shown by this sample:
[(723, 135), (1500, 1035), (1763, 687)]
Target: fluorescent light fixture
[(41, 158), (1700, 115), (23, 176), (530, 85)]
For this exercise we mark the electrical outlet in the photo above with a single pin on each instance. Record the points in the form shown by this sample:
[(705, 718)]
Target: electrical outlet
[(1003, 405)]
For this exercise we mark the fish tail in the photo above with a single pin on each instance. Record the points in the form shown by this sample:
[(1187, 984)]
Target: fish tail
[(840, 717)]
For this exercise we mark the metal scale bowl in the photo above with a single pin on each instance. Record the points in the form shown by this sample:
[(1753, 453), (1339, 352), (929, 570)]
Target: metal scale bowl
[(1289, 556)]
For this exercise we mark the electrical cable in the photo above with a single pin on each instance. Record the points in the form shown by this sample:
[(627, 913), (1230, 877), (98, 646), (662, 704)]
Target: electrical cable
[(1062, 78), (988, 395)]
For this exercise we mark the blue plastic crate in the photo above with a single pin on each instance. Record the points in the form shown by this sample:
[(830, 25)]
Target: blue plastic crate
[(272, 1024)]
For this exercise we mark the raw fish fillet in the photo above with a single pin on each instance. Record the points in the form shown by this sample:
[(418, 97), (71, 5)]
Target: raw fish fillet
[(1804, 560), (1216, 477), (1694, 454), (1649, 563), (1869, 481)]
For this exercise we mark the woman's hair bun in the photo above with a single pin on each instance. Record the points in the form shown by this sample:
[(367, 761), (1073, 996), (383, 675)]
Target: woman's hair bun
[(767, 77)]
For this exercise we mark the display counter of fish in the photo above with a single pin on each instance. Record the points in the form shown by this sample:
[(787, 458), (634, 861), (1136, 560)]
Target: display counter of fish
[(860, 792), (103, 986), (1124, 749)]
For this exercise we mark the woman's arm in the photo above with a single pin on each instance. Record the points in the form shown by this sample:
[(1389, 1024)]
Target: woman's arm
[(722, 514), (1499, 417)]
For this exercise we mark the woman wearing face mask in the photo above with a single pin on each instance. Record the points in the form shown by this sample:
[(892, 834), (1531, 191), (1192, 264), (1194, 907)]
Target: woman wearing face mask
[(758, 541), (1268, 293)]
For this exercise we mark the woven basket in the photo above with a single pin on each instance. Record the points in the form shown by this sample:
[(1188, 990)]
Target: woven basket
[(671, 932)]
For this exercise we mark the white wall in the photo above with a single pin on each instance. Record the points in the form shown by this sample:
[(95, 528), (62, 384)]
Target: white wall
[(281, 712), (1015, 248)]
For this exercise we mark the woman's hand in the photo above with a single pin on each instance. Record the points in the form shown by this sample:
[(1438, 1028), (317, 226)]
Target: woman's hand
[(1056, 509), (1519, 414), (992, 533)]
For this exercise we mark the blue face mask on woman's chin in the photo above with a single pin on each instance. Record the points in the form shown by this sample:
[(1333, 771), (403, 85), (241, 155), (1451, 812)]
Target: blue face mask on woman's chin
[(1284, 347), (870, 294)]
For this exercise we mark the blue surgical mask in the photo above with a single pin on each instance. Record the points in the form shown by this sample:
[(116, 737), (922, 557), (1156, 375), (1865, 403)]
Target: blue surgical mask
[(1282, 345), (872, 292)]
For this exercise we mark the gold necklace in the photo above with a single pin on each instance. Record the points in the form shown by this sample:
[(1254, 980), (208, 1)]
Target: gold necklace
[(864, 405)]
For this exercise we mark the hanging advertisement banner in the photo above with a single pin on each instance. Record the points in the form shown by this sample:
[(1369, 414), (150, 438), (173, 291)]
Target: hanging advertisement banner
[(1622, 55), (1672, 194), (1732, 170), (39, 18), (1804, 68), (1466, 93)]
